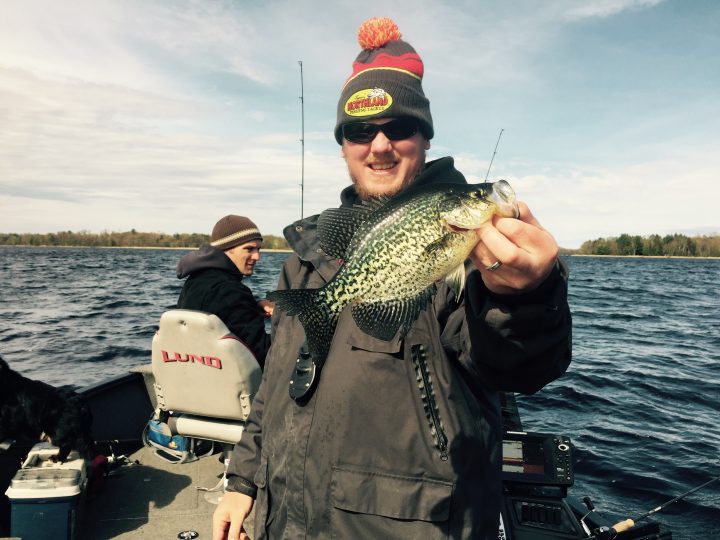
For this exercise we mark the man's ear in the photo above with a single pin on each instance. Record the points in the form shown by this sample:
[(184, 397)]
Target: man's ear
[(427, 144)]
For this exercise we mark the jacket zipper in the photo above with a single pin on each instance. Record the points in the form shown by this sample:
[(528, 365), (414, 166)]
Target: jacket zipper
[(427, 394)]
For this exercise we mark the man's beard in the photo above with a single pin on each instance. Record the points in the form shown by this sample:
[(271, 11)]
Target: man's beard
[(365, 195)]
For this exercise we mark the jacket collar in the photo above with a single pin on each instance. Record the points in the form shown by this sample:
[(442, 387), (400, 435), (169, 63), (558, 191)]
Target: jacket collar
[(303, 238), (204, 258)]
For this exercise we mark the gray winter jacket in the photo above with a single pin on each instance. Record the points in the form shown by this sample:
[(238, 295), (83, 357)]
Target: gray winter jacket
[(401, 439)]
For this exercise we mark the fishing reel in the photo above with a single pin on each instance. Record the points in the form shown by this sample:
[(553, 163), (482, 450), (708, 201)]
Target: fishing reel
[(650, 531), (628, 528), (623, 530)]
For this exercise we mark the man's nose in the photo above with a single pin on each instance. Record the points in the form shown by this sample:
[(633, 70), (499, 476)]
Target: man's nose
[(380, 144)]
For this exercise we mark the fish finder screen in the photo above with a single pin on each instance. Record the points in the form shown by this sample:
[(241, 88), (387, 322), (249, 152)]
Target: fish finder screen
[(523, 457), (537, 458)]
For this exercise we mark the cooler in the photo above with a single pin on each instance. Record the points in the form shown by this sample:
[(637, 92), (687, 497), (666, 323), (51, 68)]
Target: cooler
[(11, 457), (44, 495)]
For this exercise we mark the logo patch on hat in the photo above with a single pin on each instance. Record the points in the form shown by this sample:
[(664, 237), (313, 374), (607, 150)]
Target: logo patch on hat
[(368, 102)]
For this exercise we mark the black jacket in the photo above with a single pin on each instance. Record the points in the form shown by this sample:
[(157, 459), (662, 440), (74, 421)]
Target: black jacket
[(364, 458), (215, 286)]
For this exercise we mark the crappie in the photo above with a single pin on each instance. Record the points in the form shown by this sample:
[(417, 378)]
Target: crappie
[(393, 252)]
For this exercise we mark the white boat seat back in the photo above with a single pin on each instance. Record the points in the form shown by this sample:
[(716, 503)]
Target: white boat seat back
[(201, 368)]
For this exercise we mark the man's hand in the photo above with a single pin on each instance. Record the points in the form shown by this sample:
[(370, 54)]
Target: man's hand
[(266, 307), (230, 515), (526, 253)]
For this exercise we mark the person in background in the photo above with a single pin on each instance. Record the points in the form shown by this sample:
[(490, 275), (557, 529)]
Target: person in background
[(215, 282), (401, 438)]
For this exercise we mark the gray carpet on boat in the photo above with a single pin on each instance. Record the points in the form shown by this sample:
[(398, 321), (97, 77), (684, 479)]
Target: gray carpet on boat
[(154, 499)]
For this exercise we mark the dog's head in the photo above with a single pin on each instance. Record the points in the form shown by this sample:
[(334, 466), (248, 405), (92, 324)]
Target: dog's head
[(72, 429)]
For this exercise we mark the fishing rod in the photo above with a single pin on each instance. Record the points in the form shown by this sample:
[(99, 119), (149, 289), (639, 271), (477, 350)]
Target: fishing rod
[(608, 533), (302, 142), (494, 152)]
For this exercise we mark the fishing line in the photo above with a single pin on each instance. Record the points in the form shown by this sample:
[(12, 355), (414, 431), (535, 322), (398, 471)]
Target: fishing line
[(494, 152)]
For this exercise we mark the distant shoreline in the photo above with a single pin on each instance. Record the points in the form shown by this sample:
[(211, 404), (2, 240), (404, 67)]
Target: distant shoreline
[(265, 250), (675, 245), (271, 250), (639, 256)]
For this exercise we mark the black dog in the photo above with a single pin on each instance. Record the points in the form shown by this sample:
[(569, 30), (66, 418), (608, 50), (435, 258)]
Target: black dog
[(35, 410)]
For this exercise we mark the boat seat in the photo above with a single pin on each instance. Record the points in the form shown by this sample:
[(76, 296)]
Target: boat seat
[(205, 378)]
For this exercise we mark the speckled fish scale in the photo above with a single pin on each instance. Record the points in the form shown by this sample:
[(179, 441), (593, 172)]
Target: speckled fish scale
[(390, 260)]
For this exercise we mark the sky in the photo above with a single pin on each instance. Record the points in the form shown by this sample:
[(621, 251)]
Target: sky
[(163, 116)]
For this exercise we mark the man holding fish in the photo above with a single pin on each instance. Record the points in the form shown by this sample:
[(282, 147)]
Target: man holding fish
[(401, 315)]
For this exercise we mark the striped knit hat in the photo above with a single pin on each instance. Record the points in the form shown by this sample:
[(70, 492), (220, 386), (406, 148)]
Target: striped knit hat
[(386, 80), (232, 231)]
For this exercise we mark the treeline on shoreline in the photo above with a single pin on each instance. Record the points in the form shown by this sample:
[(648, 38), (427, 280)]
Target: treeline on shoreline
[(671, 245), (130, 238)]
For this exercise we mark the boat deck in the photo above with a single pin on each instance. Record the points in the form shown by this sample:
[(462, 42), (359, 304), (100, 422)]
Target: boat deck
[(154, 499)]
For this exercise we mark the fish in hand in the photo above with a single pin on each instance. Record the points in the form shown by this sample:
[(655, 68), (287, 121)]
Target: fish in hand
[(393, 252)]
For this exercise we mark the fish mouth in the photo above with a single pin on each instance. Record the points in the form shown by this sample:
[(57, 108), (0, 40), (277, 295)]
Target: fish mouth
[(503, 195), (456, 228), (477, 210)]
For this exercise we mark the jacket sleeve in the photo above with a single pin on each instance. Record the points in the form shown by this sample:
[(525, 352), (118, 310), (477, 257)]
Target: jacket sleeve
[(245, 461), (513, 343), (238, 309), (245, 458)]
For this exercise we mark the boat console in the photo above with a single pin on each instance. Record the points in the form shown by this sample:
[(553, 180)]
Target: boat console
[(537, 471)]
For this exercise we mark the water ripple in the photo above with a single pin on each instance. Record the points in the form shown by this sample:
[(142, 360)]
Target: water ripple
[(640, 401)]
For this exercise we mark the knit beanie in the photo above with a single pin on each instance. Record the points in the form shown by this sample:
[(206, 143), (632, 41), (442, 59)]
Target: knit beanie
[(386, 80), (232, 231)]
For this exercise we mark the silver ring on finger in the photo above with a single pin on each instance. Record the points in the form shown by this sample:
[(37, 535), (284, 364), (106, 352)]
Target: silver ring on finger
[(494, 266)]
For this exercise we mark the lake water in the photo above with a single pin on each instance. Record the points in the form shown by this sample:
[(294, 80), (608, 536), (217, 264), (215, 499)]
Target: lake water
[(641, 400)]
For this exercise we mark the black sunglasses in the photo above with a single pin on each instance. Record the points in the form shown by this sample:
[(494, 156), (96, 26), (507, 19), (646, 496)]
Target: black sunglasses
[(395, 130)]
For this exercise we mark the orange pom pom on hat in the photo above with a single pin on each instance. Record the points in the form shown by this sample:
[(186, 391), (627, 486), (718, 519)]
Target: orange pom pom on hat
[(386, 80)]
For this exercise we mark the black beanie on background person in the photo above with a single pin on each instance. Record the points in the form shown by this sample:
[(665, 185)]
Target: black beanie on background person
[(386, 81), (232, 231)]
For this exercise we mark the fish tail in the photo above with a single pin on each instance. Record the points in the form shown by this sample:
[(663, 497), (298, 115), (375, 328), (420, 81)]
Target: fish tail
[(316, 316)]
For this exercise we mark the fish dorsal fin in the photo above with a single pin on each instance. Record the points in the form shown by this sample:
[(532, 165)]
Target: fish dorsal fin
[(372, 204), (336, 226), (456, 280), (382, 320)]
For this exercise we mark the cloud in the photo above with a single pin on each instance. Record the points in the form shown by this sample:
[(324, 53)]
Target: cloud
[(604, 8), (162, 116), (80, 40), (661, 196), (114, 158)]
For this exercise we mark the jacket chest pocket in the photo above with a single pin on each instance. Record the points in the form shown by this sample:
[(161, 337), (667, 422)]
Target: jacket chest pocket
[(361, 341), (371, 504)]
